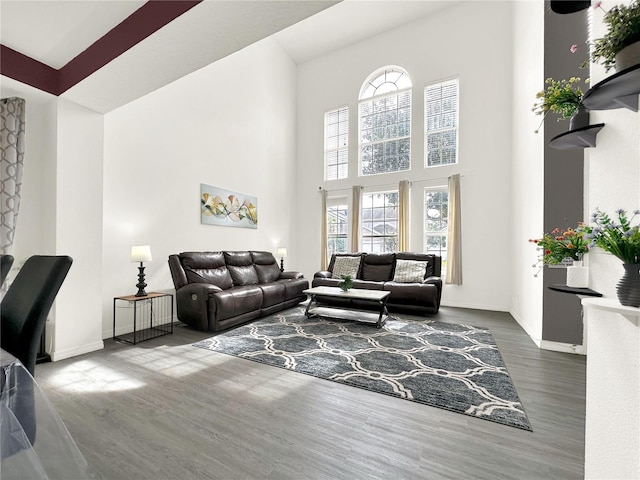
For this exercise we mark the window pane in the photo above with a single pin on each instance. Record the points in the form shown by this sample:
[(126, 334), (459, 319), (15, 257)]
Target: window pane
[(379, 223), (336, 143), (337, 222), (436, 221), (441, 123)]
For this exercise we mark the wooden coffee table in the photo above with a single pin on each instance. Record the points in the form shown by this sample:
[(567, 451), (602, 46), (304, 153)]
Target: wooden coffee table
[(376, 297)]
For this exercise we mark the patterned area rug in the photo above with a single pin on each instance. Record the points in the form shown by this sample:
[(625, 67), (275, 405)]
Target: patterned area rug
[(451, 366)]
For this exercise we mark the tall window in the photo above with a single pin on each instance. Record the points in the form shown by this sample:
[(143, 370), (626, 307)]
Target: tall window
[(380, 222), (441, 123), (436, 221), (336, 143), (337, 228), (385, 122)]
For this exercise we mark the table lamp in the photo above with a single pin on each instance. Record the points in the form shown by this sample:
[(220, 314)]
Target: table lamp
[(282, 253), (141, 253)]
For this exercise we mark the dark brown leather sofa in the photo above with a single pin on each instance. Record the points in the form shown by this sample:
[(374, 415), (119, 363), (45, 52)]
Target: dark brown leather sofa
[(377, 272), (217, 290)]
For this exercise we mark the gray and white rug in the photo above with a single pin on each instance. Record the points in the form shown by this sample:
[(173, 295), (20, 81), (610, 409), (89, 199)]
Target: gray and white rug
[(452, 366)]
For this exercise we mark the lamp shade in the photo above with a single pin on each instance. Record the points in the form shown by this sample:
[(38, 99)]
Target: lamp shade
[(141, 253), (282, 252)]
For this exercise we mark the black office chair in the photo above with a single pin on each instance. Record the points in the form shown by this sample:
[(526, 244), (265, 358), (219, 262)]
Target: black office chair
[(6, 261), (26, 304)]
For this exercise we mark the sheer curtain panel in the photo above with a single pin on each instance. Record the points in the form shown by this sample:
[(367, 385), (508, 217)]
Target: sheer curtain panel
[(12, 137), (355, 217), (403, 216), (454, 234)]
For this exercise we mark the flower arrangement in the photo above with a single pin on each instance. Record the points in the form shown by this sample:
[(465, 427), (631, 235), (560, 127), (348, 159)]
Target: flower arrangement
[(623, 22), (559, 245), (616, 237), (563, 97)]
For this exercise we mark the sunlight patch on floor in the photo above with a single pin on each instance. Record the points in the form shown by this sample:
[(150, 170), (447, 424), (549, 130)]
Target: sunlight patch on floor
[(90, 376)]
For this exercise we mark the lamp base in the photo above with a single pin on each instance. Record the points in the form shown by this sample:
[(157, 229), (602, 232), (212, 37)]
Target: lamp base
[(282, 264), (141, 285)]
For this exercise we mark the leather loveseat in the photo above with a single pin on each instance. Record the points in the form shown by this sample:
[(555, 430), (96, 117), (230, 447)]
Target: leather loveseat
[(217, 290), (412, 278)]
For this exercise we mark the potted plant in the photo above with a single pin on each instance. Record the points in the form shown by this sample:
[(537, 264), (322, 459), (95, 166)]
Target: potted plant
[(563, 246), (620, 47), (563, 97), (623, 241), (346, 283)]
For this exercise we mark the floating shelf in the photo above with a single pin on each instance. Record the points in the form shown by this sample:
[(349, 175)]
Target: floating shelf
[(575, 290), (584, 137), (620, 90)]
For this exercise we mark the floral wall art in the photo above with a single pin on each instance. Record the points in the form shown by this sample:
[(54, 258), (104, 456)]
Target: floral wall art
[(231, 209)]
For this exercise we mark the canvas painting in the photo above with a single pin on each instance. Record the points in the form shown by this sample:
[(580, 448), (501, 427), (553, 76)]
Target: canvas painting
[(226, 208)]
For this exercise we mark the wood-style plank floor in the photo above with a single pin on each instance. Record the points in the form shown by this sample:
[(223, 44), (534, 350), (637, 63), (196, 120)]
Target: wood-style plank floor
[(164, 409)]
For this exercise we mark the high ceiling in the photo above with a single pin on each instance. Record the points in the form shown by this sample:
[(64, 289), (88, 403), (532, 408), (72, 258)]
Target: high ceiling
[(55, 32)]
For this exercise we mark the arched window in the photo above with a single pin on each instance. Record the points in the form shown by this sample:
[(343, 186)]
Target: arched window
[(385, 122)]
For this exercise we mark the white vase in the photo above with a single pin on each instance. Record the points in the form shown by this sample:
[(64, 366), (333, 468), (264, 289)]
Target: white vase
[(577, 275), (628, 57)]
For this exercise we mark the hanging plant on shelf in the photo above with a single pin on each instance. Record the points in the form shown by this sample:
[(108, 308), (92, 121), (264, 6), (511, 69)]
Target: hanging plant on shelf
[(563, 97)]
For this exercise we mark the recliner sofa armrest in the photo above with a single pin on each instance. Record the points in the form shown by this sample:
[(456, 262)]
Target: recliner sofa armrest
[(192, 303), (290, 275), (322, 274), (437, 281)]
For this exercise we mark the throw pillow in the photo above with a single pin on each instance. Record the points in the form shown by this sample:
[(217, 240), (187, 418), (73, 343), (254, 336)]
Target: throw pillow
[(346, 266), (410, 271)]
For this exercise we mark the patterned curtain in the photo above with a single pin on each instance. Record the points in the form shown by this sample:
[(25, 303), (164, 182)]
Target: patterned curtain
[(12, 138)]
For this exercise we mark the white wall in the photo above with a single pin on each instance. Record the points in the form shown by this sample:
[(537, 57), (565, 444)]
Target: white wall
[(61, 211), (230, 125), (613, 172), (527, 166), (450, 43)]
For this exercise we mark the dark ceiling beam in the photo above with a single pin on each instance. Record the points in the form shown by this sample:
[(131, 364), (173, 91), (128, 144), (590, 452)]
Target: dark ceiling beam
[(146, 20)]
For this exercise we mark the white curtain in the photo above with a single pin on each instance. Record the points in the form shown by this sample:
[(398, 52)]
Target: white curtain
[(454, 234), (403, 216), (324, 264), (12, 138), (355, 218)]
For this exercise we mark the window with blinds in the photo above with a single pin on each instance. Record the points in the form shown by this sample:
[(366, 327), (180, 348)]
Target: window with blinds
[(385, 122), (336, 151), (441, 123)]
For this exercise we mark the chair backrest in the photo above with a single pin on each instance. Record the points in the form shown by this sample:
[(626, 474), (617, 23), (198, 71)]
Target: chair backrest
[(25, 306), (6, 261)]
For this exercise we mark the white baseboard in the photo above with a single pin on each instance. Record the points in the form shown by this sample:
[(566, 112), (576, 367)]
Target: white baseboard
[(563, 347), (74, 351)]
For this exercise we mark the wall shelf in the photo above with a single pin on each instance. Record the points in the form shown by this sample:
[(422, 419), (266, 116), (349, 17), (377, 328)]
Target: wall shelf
[(620, 90), (575, 290), (584, 137)]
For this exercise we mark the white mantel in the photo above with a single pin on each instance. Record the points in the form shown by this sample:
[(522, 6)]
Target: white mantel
[(612, 436)]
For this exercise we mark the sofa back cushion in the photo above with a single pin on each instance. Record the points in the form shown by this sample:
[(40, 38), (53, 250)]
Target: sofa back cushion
[(240, 265), (377, 267), (266, 266), (206, 267)]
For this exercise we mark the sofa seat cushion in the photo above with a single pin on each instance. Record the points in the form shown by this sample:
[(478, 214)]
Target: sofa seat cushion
[(206, 267), (272, 293), (294, 287), (411, 294), (378, 267), (368, 285), (236, 301)]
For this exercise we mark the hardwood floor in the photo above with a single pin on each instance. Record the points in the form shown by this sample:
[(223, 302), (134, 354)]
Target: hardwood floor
[(164, 409)]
